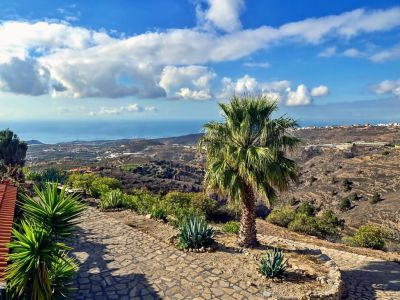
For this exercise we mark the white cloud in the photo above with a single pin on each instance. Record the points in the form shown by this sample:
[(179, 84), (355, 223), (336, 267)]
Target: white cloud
[(319, 91), (189, 82), (277, 90), (223, 14), (78, 62), (387, 87), (327, 52), (352, 52), (130, 108), (250, 64), (388, 54)]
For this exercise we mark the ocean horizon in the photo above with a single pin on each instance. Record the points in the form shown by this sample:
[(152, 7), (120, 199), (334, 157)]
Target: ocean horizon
[(52, 132)]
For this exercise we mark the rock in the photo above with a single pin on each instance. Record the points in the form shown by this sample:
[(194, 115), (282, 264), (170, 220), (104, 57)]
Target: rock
[(148, 216), (267, 294)]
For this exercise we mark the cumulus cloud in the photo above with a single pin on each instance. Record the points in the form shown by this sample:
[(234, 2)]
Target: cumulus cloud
[(327, 52), (72, 61), (130, 108), (387, 87), (319, 91), (280, 91), (224, 14)]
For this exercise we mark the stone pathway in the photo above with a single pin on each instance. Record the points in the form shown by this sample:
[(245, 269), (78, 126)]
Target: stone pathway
[(365, 277), (119, 262)]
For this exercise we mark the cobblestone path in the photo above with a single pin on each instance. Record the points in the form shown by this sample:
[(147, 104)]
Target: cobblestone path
[(365, 277), (120, 262)]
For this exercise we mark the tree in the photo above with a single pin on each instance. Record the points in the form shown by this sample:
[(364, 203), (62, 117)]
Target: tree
[(245, 156), (12, 153)]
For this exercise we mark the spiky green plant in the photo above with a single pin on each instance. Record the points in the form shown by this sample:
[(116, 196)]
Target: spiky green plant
[(245, 156), (112, 199), (54, 210), (34, 268), (273, 264), (195, 233)]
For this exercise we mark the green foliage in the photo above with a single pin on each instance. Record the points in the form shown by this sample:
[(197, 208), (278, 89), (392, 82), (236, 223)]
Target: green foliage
[(51, 174), (39, 267), (345, 204), (385, 153), (273, 264), (369, 236), (112, 199), (141, 201), (129, 167), (354, 197), (195, 233), (376, 198), (12, 150), (307, 208), (81, 181), (281, 216), (102, 185), (328, 223), (178, 203), (157, 212), (231, 227), (55, 211), (303, 223), (347, 185)]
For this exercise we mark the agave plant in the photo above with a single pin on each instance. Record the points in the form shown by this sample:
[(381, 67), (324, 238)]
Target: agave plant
[(54, 210), (273, 264), (112, 199), (195, 233), (35, 266)]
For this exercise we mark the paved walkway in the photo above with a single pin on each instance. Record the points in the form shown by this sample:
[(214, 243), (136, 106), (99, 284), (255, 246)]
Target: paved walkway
[(119, 262), (365, 277)]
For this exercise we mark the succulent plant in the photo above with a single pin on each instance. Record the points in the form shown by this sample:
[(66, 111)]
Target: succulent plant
[(195, 233), (273, 264)]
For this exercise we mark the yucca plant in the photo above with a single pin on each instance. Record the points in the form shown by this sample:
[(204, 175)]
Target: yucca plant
[(62, 276), (273, 264), (35, 258), (112, 199), (195, 233), (54, 210)]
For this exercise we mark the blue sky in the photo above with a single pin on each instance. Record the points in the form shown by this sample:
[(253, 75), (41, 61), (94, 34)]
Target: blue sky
[(324, 61)]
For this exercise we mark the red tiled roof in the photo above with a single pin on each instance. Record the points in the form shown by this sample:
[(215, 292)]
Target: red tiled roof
[(8, 197)]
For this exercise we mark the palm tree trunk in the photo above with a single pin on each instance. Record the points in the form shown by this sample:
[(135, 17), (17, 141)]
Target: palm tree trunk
[(248, 231)]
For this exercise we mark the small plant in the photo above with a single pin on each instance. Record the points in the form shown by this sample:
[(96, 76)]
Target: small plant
[(376, 198), (354, 197), (273, 264), (385, 153), (369, 236), (281, 216), (112, 199), (158, 213), (102, 185), (329, 224), (347, 185), (307, 208), (194, 233), (345, 204), (231, 227), (304, 224)]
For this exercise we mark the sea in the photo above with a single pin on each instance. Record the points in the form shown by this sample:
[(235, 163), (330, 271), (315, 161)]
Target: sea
[(52, 132)]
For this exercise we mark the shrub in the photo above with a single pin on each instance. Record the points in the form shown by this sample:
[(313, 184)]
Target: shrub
[(307, 208), (102, 185), (354, 197), (345, 204), (159, 213), (231, 227), (53, 175), (376, 198), (195, 233), (303, 223), (198, 203), (273, 264), (112, 199), (385, 153), (81, 181), (141, 201), (369, 236), (281, 216), (328, 223), (347, 185)]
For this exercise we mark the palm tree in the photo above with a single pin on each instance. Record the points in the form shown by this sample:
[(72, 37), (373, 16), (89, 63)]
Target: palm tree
[(245, 156)]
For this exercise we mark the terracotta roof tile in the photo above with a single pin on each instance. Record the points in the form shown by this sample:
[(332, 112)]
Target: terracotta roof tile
[(8, 197)]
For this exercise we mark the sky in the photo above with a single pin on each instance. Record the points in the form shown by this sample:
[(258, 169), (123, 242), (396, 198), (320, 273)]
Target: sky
[(324, 61)]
